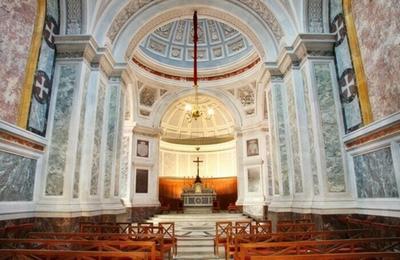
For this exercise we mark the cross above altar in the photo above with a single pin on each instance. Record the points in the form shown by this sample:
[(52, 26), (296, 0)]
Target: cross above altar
[(198, 170)]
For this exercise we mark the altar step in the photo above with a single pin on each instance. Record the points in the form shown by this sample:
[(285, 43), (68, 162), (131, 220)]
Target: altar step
[(195, 233)]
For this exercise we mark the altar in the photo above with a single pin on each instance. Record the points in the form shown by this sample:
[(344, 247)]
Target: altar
[(204, 197), (197, 195)]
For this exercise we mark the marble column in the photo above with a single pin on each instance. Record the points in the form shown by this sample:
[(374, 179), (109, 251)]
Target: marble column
[(60, 166), (274, 180), (113, 100), (305, 169), (91, 141), (240, 172), (282, 141)]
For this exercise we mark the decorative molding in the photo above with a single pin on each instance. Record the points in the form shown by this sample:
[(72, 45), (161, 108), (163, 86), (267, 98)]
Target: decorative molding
[(134, 6), (266, 15), (201, 78), (146, 131), (377, 130), (31, 64), (18, 135), (124, 15), (357, 63)]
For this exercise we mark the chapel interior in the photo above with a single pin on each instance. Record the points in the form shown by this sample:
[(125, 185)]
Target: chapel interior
[(229, 129)]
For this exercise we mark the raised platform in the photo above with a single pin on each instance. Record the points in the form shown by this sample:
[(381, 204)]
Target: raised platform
[(197, 210)]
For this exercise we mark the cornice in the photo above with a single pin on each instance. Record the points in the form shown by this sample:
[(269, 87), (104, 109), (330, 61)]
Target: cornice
[(85, 47), (147, 131), (305, 45)]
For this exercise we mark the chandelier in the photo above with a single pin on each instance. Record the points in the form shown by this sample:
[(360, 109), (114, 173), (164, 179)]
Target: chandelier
[(194, 111)]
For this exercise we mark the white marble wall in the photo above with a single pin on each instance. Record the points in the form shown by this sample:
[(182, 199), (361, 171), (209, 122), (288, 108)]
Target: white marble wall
[(151, 164)]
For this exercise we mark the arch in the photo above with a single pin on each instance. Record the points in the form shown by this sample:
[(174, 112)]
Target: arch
[(265, 30), (219, 95)]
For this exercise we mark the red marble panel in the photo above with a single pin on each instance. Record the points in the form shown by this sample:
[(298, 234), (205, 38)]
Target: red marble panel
[(16, 28), (378, 29)]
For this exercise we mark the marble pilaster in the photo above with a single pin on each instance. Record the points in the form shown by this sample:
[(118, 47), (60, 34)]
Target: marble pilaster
[(240, 171), (309, 142), (273, 144), (57, 159), (82, 119), (329, 128), (282, 141), (124, 172), (119, 144), (111, 139), (293, 128)]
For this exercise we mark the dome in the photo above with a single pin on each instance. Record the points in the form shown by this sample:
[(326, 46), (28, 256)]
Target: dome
[(221, 48), (177, 129)]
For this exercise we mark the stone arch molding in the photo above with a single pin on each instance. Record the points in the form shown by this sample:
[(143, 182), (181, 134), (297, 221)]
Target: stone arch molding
[(219, 95), (138, 18)]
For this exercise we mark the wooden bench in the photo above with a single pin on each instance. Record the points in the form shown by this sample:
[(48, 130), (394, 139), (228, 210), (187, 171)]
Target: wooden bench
[(167, 230), (81, 245), (158, 238), (72, 255), (318, 247), (223, 230)]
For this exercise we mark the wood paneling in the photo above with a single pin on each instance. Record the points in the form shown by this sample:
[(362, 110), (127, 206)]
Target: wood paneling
[(171, 189)]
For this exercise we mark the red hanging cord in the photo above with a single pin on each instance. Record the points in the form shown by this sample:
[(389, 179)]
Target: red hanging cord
[(195, 48)]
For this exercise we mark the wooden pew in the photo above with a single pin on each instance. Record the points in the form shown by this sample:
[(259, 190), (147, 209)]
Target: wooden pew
[(300, 236), (158, 238), (223, 230), (81, 245), (167, 230), (318, 247), (6, 254)]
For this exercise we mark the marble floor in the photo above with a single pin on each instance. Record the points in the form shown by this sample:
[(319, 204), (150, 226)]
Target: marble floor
[(195, 233)]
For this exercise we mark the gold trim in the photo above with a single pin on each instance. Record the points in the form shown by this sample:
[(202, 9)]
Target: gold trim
[(357, 62), (31, 64)]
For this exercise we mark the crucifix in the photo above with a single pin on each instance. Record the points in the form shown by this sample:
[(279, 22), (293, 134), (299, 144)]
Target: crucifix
[(198, 169)]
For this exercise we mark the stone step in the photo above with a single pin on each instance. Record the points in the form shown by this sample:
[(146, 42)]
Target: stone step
[(195, 242), (195, 233), (194, 249), (198, 256)]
